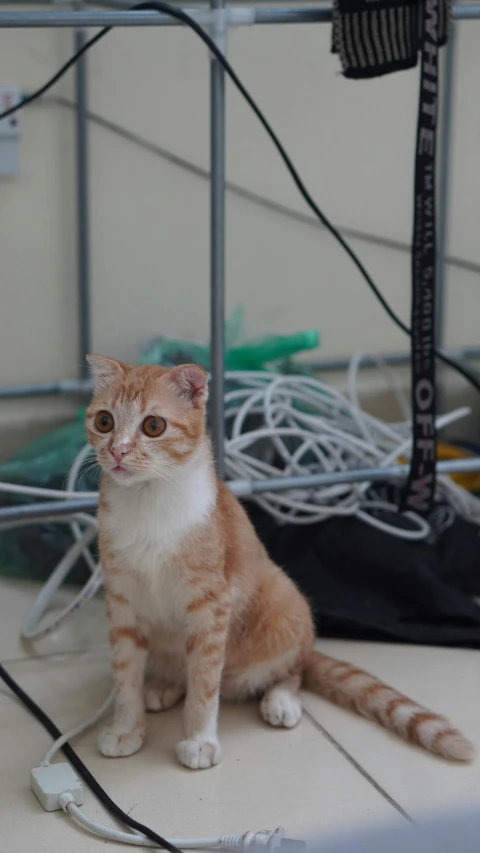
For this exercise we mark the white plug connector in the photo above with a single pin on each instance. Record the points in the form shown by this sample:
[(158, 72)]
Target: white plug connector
[(249, 842), (49, 782), (262, 840)]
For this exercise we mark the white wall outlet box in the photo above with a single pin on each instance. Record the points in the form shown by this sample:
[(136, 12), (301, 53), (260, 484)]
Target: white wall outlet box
[(10, 131)]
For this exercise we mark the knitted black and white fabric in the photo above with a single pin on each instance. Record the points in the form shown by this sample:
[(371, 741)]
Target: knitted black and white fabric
[(376, 37)]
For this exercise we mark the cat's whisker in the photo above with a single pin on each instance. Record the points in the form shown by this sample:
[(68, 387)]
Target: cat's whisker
[(88, 465), (162, 474)]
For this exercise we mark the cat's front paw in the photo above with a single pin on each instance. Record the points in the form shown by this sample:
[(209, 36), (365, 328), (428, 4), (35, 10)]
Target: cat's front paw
[(200, 753), (112, 744)]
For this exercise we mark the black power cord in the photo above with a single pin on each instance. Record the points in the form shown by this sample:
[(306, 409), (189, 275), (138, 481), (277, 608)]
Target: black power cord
[(80, 767), (180, 15)]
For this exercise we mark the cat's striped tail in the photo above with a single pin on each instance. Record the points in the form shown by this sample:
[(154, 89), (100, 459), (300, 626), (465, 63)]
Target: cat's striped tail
[(349, 687)]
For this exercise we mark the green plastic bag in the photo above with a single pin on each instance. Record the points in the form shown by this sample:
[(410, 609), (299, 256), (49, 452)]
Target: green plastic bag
[(168, 352), (46, 461), (267, 352), (33, 552)]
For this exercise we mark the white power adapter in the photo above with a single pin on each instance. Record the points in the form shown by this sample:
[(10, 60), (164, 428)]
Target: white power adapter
[(50, 781)]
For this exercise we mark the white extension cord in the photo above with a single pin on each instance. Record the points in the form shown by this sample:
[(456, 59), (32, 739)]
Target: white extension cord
[(303, 426), (270, 839), (57, 786)]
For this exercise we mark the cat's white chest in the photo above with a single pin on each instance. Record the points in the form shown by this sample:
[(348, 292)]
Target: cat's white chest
[(147, 526)]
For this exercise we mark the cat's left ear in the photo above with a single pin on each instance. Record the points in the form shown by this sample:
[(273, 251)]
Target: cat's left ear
[(191, 382)]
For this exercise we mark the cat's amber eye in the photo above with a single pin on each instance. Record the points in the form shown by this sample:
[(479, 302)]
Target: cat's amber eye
[(104, 422), (153, 426)]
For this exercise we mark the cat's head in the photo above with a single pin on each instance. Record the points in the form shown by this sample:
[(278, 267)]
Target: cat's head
[(145, 422)]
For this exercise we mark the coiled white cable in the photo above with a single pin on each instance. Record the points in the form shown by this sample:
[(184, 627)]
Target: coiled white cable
[(31, 629), (285, 426), (278, 426), (75, 470), (84, 528)]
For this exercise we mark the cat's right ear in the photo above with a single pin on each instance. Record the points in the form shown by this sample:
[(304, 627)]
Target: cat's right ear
[(104, 371)]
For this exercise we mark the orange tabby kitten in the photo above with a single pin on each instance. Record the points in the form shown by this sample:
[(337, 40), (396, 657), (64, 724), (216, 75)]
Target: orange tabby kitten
[(195, 606)]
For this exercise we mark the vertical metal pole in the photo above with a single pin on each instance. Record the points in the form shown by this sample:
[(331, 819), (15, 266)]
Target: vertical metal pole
[(217, 244), (83, 237), (444, 173)]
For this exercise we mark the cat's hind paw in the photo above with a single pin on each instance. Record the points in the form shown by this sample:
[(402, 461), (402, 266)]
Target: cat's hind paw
[(199, 754), (162, 698), (280, 707)]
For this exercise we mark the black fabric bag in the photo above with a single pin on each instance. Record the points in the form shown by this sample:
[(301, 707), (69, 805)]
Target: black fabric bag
[(366, 584)]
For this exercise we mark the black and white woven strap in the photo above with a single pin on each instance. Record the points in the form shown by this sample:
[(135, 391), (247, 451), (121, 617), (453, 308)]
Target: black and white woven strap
[(419, 492)]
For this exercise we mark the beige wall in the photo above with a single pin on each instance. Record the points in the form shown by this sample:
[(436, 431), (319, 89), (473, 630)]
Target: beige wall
[(353, 143)]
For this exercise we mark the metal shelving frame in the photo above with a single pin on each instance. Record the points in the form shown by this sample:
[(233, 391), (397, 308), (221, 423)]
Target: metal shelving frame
[(218, 18)]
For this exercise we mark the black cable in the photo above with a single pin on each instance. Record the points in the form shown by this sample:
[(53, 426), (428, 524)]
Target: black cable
[(180, 15), (80, 767), (29, 99)]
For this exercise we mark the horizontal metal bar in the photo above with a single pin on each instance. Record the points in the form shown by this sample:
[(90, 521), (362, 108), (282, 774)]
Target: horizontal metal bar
[(247, 488), (127, 4), (45, 389), (79, 386), (394, 359), (236, 16), (96, 18), (466, 11), (47, 509), (333, 364), (244, 488), (306, 15)]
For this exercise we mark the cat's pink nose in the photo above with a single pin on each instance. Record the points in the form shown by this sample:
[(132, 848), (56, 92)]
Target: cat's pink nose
[(118, 454)]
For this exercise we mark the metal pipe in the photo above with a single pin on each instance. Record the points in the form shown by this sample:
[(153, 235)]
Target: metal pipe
[(342, 363), (83, 235), (45, 389), (84, 19), (47, 509), (307, 15), (78, 386), (247, 488), (394, 359), (244, 488), (217, 240), (466, 11), (237, 15)]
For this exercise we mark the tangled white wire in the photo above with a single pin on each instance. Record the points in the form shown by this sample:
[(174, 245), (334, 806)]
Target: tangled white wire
[(84, 528), (287, 426), (278, 426)]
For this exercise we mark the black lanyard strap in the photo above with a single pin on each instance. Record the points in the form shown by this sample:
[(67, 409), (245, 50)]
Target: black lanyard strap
[(419, 492)]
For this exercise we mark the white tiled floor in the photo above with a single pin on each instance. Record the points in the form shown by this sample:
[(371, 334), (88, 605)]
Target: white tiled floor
[(334, 770)]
